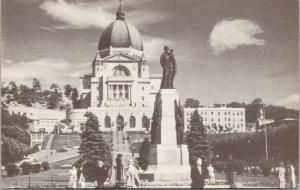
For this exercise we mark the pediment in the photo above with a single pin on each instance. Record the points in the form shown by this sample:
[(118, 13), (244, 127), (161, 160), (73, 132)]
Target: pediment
[(120, 57)]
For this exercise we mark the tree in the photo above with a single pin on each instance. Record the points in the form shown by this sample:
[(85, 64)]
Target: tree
[(192, 103), (54, 87), (197, 139), (13, 89), (74, 98), (55, 97), (26, 96), (144, 154), (236, 105), (36, 86), (257, 101), (68, 90), (94, 148)]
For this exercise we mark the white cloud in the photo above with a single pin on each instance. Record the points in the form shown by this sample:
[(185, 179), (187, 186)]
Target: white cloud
[(229, 34), (153, 47), (48, 29), (291, 101), (48, 70), (79, 15)]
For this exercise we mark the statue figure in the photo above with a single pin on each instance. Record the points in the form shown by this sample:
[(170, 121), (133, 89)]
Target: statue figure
[(179, 123), (156, 121), (168, 63)]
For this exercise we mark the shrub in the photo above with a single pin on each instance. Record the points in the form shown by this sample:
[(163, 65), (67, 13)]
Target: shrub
[(266, 166), (36, 168), (11, 169), (219, 166), (238, 166), (144, 154), (45, 166), (26, 168), (255, 171)]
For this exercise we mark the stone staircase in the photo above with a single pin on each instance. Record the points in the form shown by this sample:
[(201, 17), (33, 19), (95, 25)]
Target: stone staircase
[(120, 146)]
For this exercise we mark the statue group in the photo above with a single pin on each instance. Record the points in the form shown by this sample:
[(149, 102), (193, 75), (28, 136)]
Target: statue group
[(168, 63)]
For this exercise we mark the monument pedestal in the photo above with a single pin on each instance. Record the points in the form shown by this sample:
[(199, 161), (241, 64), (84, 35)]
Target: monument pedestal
[(168, 161)]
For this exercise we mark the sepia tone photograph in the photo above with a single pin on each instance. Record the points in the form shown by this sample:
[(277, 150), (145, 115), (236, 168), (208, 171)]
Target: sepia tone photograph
[(149, 94)]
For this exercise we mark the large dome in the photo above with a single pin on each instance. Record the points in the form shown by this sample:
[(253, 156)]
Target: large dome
[(120, 34)]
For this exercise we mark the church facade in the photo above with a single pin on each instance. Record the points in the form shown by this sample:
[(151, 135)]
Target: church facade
[(120, 90)]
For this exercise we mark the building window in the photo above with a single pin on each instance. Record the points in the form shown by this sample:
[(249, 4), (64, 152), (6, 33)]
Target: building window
[(145, 123), (143, 98), (212, 113), (218, 113), (143, 88), (107, 122), (121, 71), (132, 122), (42, 130)]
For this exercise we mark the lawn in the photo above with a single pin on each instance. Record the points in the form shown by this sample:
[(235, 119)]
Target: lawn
[(56, 177), (50, 178)]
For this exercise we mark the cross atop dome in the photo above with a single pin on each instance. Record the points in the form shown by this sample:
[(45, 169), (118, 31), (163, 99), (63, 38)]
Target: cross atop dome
[(120, 15)]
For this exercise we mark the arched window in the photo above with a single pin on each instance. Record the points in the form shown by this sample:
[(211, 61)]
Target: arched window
[(107, 122), (132, 122), (145, 122), (121, 71)]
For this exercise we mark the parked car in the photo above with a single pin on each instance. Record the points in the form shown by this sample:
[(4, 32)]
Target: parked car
[(29, 159), (62, 150), (66, 166)]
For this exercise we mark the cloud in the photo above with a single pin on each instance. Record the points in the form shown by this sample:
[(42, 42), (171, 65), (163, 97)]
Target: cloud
[(230, 34), (153, 47), (79, 15), (48, 29), (48, 70), (291, 101)]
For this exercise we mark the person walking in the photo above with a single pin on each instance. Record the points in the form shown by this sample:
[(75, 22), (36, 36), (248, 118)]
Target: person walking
[(132, 177), (197, 174), (229, 171), (291, 178), (211, 173), (281, 175)]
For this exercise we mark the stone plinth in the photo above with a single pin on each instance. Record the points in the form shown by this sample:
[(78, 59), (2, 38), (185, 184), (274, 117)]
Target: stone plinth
[(168, 161), (168, 122)]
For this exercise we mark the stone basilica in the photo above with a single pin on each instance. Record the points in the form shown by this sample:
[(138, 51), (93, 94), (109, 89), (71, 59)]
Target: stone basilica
[(120, 90)]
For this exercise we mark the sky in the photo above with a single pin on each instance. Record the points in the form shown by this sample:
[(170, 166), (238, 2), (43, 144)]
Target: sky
[(233, 50)]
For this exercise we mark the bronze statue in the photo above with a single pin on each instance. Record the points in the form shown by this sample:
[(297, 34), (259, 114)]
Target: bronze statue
[(179, 123), (156, 121), (168, 63)]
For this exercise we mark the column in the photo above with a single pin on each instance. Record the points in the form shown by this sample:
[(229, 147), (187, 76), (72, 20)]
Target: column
[(117, 92)]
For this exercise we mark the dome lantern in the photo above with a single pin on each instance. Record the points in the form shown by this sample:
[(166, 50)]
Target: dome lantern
[(120, 34)]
